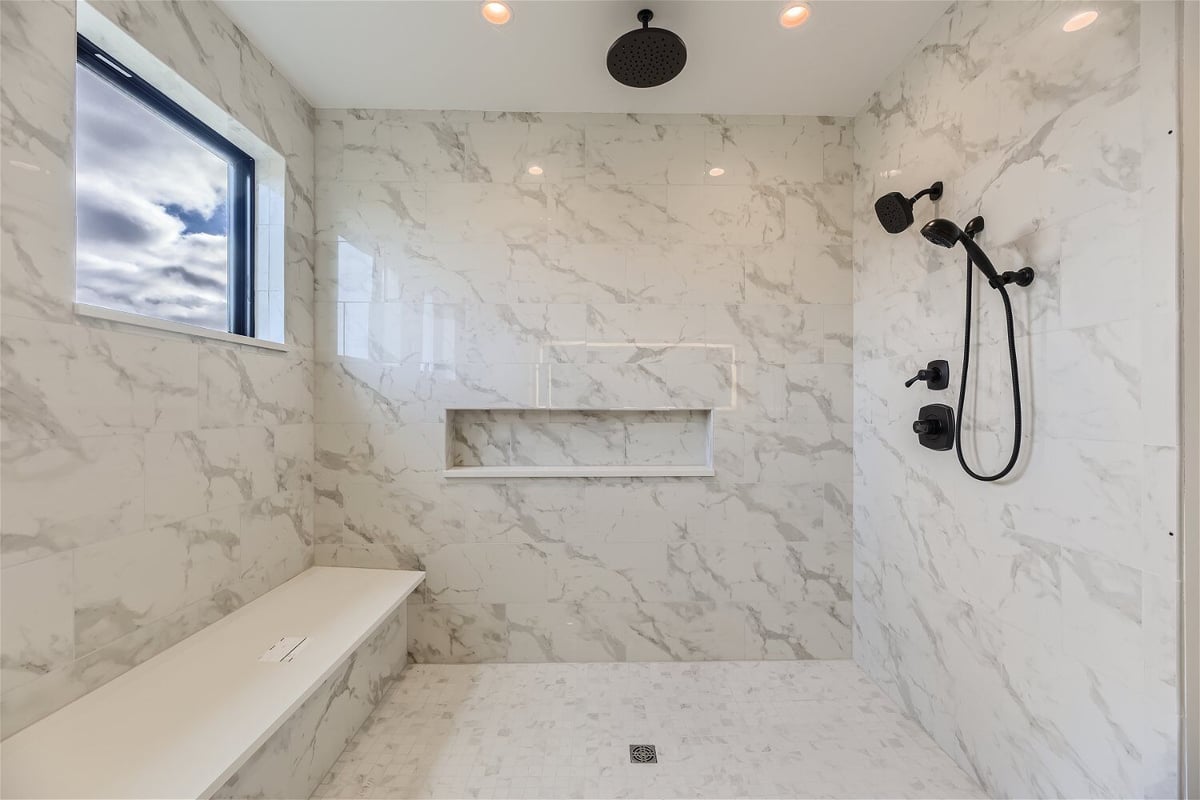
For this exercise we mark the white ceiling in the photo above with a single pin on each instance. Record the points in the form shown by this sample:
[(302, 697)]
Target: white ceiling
[(441, 54)]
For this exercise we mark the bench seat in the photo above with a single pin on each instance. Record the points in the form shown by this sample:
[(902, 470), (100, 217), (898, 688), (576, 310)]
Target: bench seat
[(208, 718)]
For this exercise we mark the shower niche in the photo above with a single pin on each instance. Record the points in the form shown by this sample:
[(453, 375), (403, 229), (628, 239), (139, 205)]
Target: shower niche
[(591, 443)]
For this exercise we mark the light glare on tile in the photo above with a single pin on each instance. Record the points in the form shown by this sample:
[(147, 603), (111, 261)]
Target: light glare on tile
[(496, 12), (716, 172), (1080, 21), (535, 170), (795, 15)]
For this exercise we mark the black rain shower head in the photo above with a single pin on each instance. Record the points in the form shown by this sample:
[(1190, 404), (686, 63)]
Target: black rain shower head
[(646, 56), (895, 211)]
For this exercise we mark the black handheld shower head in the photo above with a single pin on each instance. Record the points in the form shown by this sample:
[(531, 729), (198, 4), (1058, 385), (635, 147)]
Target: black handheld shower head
[(942, 232), (895, 211), (945, 233)]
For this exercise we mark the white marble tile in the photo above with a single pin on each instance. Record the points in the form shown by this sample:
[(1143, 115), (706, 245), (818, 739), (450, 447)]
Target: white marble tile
[(530, 333), (457, 634), (770, 333), (38, 616), (818, 214), (766, 154), (682, 273), (486, 573), (726, 214), (102, 475), (68, 379), (585, 213), (37, 133), (487, 212), (717, 727), (645, 154), (566, 273), (635, 333), (188, 474), (125, 583), (505, 152), (799, 274), (241, 388), (392, 150)]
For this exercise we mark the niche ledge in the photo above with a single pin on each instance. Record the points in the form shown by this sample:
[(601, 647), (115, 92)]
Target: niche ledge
[(631, 471)]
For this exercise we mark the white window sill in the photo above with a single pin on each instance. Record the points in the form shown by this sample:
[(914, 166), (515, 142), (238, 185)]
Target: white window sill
[(137, 320)]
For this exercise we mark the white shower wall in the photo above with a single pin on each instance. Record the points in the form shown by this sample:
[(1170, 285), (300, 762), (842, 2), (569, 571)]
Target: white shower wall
[(623, 276), (1029, 625), (152, 482)]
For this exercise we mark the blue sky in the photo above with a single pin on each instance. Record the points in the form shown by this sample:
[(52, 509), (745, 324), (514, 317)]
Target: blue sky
[(151, 208)]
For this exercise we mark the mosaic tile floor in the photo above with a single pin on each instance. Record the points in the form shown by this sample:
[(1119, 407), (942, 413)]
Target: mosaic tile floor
[(722, 729)]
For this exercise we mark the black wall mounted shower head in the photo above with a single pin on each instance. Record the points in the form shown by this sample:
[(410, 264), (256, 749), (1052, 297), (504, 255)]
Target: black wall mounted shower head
[(895, 211), (646, 56)]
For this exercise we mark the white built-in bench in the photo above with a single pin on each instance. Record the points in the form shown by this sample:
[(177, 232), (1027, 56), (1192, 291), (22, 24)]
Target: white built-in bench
[(210, 717)]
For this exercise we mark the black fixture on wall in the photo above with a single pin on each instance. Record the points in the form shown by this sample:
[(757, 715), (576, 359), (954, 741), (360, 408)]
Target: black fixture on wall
[(936, 375), (895, 211), (945, 233), (646, 57), (934, 427)]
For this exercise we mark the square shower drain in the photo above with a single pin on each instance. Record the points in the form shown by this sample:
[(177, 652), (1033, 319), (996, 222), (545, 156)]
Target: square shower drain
[(643, 754)]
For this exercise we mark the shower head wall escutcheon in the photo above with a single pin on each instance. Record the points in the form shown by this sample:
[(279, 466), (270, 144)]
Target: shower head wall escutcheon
[(895, 211)]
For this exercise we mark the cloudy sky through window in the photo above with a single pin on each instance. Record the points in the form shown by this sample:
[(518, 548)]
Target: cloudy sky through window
[(152, 212)]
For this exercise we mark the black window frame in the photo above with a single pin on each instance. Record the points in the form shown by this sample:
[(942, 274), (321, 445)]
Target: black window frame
[(240, 288)]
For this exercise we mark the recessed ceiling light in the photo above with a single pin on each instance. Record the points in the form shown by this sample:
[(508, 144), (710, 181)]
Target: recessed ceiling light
[(496, 12), (795, 15), (716, 172), (1080, 21), (535, 170)]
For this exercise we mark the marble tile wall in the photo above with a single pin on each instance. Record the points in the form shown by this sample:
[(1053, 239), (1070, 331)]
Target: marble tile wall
[(622, 275), (1029, 625), (151, 482)]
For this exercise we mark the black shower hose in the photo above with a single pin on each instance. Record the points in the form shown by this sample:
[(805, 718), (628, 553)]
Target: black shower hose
[(962, 388)]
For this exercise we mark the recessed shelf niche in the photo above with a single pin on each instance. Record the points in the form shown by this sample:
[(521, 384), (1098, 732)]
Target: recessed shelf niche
[(592, 443)]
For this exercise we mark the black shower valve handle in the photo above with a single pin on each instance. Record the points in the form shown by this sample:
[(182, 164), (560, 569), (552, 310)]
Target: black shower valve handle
[(936, 375), (922, 375)]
